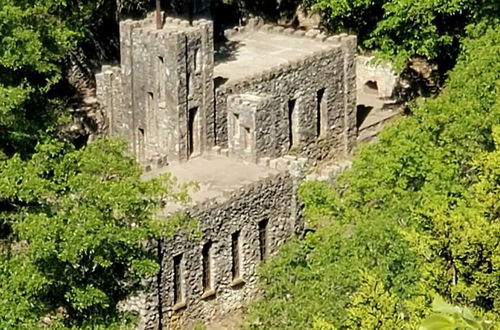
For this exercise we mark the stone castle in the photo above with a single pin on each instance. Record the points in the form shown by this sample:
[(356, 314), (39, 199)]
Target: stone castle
[(244, 121)]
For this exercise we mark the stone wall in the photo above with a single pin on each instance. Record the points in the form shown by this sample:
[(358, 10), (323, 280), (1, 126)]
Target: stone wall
[(272, 199), (382, 74), (165, 76), (330, 72)]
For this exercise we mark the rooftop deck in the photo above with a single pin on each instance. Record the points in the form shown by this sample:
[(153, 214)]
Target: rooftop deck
[(248, 53), (214, 174)]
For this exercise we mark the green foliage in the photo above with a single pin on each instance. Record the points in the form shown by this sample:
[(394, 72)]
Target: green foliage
[(451, 317), (417, 215), (399, 29), (34, 42), (373, 307), (80, 220), (36, 37), (320, 324)]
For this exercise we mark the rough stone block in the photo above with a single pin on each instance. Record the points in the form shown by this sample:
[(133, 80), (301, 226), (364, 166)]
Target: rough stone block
[(264, 161), (312, 33), (216, 150), (273, 163)]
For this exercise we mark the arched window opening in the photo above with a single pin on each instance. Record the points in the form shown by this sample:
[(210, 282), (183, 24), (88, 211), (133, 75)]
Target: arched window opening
[(371, 87)]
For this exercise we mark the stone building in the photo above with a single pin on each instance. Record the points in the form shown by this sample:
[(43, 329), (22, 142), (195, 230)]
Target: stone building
[(244, 121)]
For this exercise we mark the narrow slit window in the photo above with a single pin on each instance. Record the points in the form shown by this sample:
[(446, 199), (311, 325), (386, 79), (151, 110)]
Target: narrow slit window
[(235, 251), (291, 123), (189, 84), (141, 147), (263, 241), (192, 131), (248, 138), (321, 114), (178, 285), (207, 266), (161, 77), (152, 116), (195, 59), (236, 125)]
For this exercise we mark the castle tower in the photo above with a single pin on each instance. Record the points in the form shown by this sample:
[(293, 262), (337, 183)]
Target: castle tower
[(161, 98)]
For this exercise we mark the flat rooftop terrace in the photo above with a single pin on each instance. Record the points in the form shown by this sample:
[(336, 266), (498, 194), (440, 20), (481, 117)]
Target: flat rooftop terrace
[(215, 175), (248, 53)]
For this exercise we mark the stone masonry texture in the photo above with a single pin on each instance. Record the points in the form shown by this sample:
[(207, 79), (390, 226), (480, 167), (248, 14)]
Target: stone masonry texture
[(273, 99)]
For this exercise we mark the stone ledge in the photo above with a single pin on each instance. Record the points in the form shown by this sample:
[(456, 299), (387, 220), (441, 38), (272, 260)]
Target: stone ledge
[(179, 306)]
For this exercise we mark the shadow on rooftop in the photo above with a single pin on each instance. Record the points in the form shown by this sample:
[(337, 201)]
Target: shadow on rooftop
[(226, 51)]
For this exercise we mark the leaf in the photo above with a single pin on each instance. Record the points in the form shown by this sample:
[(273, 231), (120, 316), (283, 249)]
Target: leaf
[(439, 305), (438, 322)]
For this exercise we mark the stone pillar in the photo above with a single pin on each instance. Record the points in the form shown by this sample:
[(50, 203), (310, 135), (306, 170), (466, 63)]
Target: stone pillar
[(349, 44)]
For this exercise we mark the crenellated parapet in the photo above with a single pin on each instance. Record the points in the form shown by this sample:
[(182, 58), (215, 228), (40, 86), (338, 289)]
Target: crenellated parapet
[(245, 121), (309, 83), (162, 90)]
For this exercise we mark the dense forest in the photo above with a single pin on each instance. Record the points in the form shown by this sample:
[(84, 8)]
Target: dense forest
[(415, 220)]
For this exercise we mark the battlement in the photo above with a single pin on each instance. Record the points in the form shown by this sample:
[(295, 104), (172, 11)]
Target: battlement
[(243, 121), (258, 51)]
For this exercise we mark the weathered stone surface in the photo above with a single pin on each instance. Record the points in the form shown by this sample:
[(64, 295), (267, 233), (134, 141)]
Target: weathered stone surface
[(379, 79), (245, 127)]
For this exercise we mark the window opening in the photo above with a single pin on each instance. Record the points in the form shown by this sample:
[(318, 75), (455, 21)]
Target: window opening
[(140, 143), (248, 138), (235, 250), (321, 114), (371, 87), (178, 287), (192, 122), (263, 239), (207, 266), (291, 123)]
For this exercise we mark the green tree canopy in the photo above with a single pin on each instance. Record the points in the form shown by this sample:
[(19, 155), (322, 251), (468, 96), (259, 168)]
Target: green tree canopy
[(400, 29), (77, 222), (417, 214)]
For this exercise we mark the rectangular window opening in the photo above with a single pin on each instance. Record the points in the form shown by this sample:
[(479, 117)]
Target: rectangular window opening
[(141, 147), (235, 251), (263, 241), (207, 266), (178, 285), (197, 60), (189, 84), (161, 77), (291, 123), (192, 122), (248, 138), (236, 125), (320, 112)]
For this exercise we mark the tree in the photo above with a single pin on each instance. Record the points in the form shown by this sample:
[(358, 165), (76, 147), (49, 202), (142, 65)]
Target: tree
[(400, 29), (418, 213), (79, 221)]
